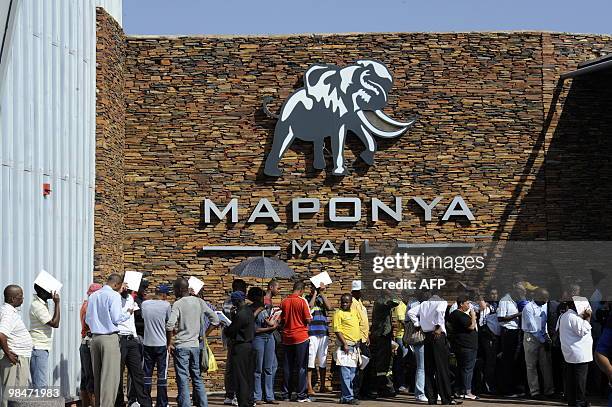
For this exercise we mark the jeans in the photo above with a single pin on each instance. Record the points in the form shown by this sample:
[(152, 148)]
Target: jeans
[(265, 366), (419, 380), (296, 356), (466, 359), (39, 366), (187, 364), (156, 356), (347, 375), (399, 365)]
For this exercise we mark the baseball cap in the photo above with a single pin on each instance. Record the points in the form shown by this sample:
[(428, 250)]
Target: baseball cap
[(356, 285), (163, 289), (237, 297)]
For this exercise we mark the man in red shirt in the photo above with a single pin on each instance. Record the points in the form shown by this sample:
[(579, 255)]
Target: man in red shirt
[(295, 318)]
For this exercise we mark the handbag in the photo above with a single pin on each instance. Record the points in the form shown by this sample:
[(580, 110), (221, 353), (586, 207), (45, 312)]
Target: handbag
[(412, 334), (212, 362), (204, 362)]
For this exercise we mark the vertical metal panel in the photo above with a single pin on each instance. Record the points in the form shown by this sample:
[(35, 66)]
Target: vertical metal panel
[(47, 134), (112, 7)]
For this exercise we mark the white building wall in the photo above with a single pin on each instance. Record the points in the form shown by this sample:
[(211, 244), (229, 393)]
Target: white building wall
[(47, 135)]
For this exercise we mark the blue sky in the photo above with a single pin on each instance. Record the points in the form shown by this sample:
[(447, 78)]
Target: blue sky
[(330, 16)]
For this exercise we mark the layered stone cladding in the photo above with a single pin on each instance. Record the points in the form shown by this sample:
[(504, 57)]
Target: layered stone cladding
[(194, 129)]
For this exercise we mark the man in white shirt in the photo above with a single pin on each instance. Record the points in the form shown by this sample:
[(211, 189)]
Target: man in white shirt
[(508, 317), (16, 343), (430, 317), (131, 356), (536, 343), (41, 330), (577, 348)]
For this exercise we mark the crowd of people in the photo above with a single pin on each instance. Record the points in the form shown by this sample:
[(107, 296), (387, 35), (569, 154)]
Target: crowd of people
[(520, 345)]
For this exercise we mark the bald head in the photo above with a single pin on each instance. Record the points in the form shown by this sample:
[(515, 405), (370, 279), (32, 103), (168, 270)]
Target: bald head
[(181, 287), (541, 296), (13, 295)]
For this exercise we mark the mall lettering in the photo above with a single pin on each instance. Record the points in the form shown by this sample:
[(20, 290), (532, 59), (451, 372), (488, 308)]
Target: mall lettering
[(340, 210)]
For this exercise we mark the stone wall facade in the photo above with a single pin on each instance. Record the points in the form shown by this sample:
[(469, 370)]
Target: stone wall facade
[(110, 141), (194, 129)]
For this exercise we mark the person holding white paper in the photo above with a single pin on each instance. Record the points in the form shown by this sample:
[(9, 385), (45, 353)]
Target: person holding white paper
[(186, 320), (345, 324), (41, 331), (318, 332), (577, 348), (131, 356)]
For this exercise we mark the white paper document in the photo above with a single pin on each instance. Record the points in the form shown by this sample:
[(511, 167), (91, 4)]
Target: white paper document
[(133, 279), (47, 282), (350, 359), (364, 362), (321, 278), (224, 320), (581, 303), (196, 284)]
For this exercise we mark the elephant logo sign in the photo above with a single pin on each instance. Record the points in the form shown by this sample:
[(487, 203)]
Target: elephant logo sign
[(333, 101)]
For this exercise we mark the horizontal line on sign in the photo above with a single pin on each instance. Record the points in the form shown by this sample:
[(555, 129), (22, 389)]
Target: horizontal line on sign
[(433, 245), (241, 248)]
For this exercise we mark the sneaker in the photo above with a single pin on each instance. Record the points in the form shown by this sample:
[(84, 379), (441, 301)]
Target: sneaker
[(235, 402), (227, 401), (403, 390), (470, 396), (354, 402), (306, 400), (422, 398)]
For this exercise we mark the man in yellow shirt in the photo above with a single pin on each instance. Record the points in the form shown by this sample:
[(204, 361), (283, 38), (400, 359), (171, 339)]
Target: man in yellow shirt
[(364, 328), (345, 324)]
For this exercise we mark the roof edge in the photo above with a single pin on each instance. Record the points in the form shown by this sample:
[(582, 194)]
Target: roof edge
[(346, 34)]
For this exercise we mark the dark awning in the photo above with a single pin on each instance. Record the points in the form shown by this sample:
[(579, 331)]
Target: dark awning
[(590, 66)]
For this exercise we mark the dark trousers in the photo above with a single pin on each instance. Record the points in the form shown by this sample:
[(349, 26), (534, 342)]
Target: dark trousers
[(437, 370), (466, 359), (558, 367), (131, 357), (576, 378), (400, 362), (156, 356), (358, 381), (243, 367), (488, 344), (511, 366), (296, 356), (382, 354), (228, 377)]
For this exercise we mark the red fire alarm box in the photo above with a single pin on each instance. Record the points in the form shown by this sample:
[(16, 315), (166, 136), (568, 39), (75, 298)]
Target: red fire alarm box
[(46, 189)]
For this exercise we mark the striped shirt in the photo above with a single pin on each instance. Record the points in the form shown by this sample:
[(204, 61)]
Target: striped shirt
[(42, 334), (318, 324), (18, 338)]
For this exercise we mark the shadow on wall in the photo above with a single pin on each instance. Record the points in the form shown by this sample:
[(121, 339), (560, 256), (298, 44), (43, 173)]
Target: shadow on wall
[(570, 196)]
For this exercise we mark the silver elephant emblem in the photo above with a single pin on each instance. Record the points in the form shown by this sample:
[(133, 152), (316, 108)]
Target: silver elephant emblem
[(333, 101)]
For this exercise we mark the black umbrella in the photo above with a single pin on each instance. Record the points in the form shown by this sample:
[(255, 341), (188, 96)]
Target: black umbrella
[(263, 267)]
